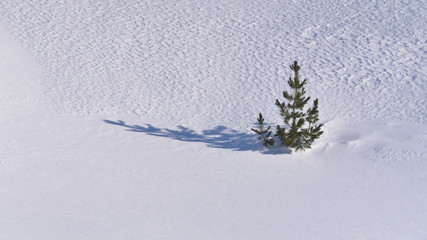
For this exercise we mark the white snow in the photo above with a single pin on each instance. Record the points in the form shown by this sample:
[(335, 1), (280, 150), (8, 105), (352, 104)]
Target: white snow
[(131, 119)]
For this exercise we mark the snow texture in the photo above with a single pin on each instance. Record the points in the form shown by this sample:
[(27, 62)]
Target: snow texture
[(131, 119)]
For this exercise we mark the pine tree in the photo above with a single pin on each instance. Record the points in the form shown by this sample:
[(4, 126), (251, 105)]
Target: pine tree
[(264, 134), (313, 131), (293, 135)]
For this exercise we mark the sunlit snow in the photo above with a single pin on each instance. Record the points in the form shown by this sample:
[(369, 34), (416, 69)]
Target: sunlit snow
[(131, 120)]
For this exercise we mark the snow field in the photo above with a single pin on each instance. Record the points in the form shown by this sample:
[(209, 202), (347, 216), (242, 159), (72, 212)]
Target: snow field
[(130, 120), (220, 63)]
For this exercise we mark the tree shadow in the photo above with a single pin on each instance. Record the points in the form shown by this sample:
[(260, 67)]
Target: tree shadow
[(218, 137)]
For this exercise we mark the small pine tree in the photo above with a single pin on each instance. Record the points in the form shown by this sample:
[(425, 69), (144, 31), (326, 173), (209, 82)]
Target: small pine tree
[(313, 131), (293, 135), (264, 134)]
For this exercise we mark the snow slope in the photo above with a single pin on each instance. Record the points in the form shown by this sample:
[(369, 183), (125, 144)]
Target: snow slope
[(130, 120)]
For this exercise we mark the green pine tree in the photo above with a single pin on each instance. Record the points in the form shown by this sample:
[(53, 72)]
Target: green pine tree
[(264, 134), (313, 131), (293, 134)]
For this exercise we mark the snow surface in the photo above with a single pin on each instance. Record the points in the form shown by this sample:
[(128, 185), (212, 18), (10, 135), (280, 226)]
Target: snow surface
[(131, 119)]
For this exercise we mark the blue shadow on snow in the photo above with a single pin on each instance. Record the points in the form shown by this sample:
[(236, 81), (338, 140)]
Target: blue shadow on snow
[(218, 137)]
